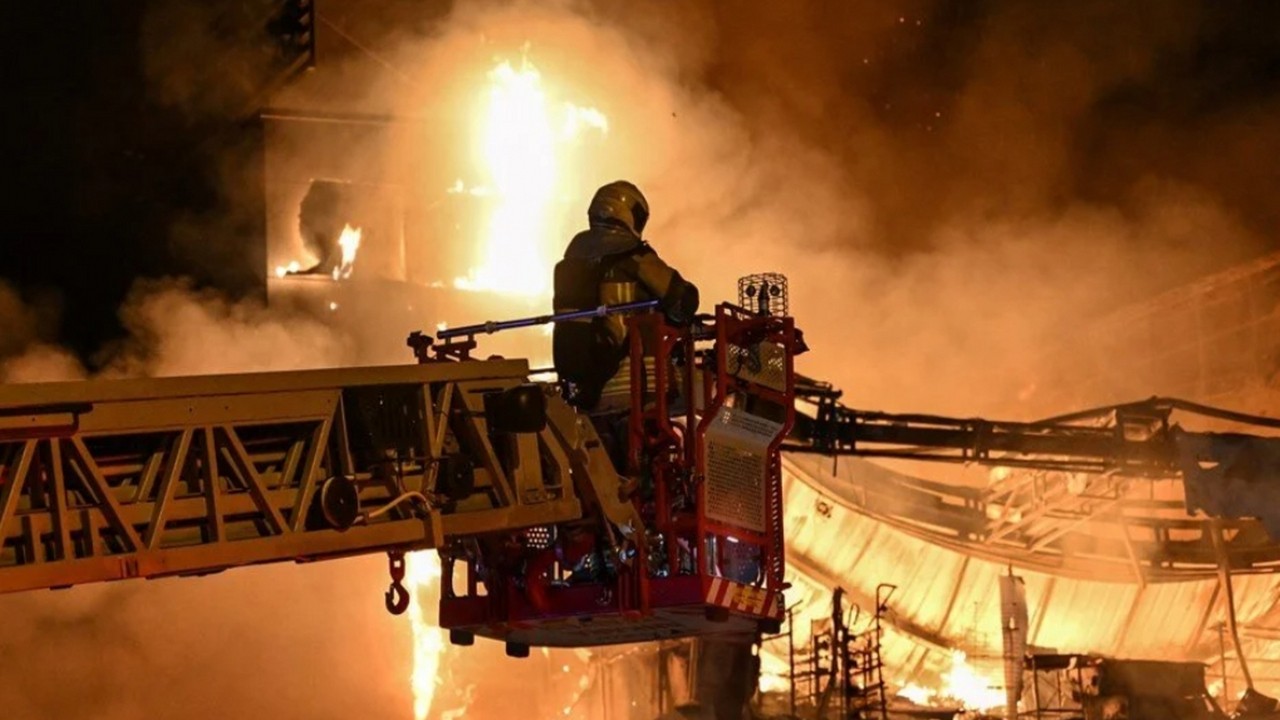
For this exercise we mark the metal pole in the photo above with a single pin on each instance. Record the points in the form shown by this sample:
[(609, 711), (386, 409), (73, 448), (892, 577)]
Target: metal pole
[(493, 326), (839, 638), (1224, 575), (879, 662), (791, 653), (1035, 685), (882, 606), (1222, 662), (815, 646)]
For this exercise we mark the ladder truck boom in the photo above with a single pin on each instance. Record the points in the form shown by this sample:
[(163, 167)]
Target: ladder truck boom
[(555, 526), (542, 540), (187, 476)]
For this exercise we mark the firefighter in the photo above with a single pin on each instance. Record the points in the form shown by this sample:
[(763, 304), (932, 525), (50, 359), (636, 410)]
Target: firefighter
[(610, 264)]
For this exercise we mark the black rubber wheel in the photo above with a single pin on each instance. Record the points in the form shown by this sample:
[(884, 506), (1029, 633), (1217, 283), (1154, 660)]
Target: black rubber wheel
[(465, 638), (517, 650), (339, 502)]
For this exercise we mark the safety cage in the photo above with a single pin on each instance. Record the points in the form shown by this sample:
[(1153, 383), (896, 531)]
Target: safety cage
[(698, 549)]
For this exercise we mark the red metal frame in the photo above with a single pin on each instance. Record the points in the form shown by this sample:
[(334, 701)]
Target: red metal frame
[(655, 442), (678, 594), (736, 326)]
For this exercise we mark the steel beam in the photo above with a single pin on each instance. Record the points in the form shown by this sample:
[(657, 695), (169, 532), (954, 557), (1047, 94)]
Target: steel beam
[(152, 478)]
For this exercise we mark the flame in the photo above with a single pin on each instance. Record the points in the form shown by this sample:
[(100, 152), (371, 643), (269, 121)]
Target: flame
[(349, 242), (460, 188), (774, 682), (523, 135), (521, 151), (961, 684), (293, 267), (423, 573), (964, 684), (918, 694), (576, 118)]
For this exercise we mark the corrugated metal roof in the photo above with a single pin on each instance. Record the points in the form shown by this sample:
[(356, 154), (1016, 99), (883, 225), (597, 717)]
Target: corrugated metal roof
[(1138, 582), (1148, 533), (947, 598)]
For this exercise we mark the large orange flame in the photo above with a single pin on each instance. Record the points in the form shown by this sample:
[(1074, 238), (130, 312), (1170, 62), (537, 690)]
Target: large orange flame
[(962, 684), (522, 156), (349, 243), (966, 685), (523, 139), (423, 572)]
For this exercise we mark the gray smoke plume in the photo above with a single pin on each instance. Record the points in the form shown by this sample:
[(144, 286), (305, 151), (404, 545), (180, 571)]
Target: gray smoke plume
[(26, 351), (952, 189)]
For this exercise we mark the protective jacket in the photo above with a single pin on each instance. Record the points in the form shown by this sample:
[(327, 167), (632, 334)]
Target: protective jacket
[(607, 265)]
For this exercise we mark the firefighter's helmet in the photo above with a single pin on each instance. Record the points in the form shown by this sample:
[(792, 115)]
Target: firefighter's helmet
[(620, 204)]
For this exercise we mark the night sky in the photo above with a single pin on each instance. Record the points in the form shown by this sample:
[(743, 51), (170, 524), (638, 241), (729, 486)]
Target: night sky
[(127, 122)]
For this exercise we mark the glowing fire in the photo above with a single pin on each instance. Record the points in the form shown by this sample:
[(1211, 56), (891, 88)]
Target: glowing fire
[(423, 573), (523, 139), (918, 694), (971, 689), (349, 243), (290, 269), (774, 683), (961, 685), (521, 148)]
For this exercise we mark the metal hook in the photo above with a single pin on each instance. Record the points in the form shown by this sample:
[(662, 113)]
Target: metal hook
[(397, 596)]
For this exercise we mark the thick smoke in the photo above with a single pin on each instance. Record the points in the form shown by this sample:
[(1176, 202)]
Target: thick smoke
[(175, 330), (953, 195), (26, 353), (954, 190), (263, 642), (936, 216)]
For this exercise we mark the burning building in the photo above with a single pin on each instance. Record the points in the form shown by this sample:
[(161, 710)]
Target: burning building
[(461, 230), (1116, 581), (1119, 571), (397, 198)]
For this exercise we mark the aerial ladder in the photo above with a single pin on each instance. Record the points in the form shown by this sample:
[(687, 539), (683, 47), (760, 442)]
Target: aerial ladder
[(546, 536)]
